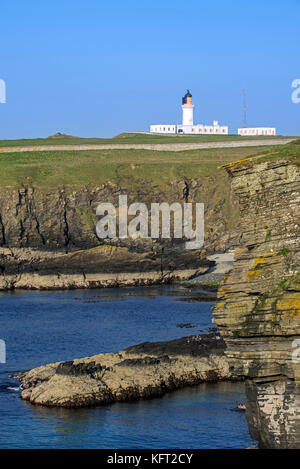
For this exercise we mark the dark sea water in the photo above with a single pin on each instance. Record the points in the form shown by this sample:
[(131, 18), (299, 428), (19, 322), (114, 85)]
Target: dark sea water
[(44, 327)]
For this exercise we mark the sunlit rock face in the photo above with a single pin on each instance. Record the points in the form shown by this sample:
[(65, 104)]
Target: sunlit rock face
[(141, 371), (48, 236), (258, 312), (273, 412)]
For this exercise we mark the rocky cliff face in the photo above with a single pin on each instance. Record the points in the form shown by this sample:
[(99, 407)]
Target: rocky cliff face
[(48, 237), (258, 312)]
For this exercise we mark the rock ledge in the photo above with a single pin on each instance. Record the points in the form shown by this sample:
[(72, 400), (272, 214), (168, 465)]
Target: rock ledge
[(142, 371)]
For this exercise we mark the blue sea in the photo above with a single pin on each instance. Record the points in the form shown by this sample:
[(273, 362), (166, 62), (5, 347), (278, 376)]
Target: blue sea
[(44, 327)]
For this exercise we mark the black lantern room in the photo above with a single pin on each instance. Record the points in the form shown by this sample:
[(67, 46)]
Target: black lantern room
[(186, 96)]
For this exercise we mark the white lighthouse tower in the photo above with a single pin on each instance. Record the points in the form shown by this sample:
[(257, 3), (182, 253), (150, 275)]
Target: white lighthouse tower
[(187, 126), (187, 110)]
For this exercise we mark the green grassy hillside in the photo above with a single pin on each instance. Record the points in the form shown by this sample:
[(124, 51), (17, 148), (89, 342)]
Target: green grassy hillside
[(133, 167), (146, 173), (290, 152), (131, 138)]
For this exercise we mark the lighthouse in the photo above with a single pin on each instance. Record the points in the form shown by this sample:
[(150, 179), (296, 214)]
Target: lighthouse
[(187, 126), (187, 110)]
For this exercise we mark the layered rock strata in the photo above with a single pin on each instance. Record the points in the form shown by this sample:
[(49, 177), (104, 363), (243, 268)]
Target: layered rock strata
[(102, 266), (258, 312)]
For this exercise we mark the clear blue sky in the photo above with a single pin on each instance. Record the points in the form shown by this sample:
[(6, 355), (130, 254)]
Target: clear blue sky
[(97, 68)]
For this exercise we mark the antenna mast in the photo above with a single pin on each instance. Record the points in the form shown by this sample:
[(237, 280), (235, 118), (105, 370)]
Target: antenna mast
[(244, 109)]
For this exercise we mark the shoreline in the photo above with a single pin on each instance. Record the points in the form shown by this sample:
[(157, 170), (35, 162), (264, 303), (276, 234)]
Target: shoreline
[(34, 281), (57, 276)]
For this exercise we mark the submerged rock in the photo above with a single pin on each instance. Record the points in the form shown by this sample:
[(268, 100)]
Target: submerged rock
[(142, 371)]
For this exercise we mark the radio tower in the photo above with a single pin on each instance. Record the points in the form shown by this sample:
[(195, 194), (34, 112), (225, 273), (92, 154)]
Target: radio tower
[(244, 109)]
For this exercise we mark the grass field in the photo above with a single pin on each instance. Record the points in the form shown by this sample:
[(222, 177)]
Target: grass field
[(144, 173), (129, 138), (134, 168), (290, 151)]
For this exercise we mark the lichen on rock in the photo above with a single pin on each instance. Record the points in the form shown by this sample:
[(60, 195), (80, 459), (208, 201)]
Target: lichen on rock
[(258, 312)]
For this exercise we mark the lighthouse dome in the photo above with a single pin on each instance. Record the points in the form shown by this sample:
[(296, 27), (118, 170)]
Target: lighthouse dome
[(185, 99)]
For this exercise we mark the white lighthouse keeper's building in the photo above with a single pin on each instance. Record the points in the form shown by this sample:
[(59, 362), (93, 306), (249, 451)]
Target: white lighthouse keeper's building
[(188, 126)]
